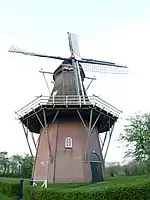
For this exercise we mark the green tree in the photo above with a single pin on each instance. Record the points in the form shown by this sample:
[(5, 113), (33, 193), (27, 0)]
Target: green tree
[(26, 167), (136, 136), (113, 168), (15, 163), (4, 162)]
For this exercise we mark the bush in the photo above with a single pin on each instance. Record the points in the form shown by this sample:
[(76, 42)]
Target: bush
[(9, 188), (132, 192)]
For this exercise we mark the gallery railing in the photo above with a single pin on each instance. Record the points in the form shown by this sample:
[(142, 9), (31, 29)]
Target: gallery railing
[(66, 101)]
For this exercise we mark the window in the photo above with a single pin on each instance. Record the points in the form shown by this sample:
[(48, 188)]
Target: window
[(68, 142)]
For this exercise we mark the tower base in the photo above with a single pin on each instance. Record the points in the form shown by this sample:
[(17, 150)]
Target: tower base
[(69, 164)]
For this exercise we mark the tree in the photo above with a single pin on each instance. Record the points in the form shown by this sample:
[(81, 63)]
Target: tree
[(113, 168), (4, 162), (26, 167), (136, 135), (16, 165)]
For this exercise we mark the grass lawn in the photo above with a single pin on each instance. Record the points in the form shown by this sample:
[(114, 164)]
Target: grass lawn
[(109, 182), (3, 197), (117, 181)]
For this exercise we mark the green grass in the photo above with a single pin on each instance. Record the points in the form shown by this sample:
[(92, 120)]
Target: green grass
[(3, 197), (109, 182), (119, 181)]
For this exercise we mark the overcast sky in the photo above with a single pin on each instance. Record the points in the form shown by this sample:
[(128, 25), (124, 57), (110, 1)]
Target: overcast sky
[(112, 30)]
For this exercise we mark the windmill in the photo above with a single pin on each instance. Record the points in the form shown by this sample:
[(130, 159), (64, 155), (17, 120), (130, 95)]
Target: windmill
[(69, 122)]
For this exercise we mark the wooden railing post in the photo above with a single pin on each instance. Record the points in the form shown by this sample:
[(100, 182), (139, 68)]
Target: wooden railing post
[(80, 101), (66, 101)]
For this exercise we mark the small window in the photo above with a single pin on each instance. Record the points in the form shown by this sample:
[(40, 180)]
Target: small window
[(68, 142)]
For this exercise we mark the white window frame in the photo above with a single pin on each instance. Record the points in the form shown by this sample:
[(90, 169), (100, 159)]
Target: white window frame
[(68, 143)]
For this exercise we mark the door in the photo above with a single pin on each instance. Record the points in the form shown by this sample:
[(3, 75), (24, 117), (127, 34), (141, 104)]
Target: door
[(96, 168)]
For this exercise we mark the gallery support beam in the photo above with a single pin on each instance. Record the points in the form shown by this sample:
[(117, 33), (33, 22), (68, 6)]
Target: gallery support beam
[(103, 143), (37, 142), (45, 121), (90, 121), (47, 129), (110, 135), (26, 132), (32, 136), (46, 81), (90, 132), (82, 120), (92, 79), (37, 148), (90, 128)]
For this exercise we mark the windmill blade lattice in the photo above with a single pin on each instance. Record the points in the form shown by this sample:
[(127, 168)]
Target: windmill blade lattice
[(96, 61), (104, 69), (14, 49)]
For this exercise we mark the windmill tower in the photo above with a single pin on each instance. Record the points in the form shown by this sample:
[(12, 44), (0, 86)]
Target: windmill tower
[(69, 122)]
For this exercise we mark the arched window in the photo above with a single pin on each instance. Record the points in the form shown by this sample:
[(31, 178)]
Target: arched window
[(68, 142)]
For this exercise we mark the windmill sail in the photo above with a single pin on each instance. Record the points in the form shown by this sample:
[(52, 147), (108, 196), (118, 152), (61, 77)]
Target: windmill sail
[(104, 69), (74, 49), (73, 44)]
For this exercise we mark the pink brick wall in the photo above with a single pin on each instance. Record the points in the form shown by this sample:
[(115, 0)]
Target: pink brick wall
[(69, 164)]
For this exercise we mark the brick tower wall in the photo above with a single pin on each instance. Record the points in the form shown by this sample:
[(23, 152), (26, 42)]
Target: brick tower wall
[(69, 164)]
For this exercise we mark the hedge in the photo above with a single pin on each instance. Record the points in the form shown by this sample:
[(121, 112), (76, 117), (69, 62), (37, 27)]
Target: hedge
[(132, 192), (9, 188)]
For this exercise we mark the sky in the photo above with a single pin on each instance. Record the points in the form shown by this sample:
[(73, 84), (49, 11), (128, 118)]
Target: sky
[(108, 30)]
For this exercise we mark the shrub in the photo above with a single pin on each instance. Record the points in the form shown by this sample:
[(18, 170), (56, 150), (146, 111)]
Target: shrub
[(132, 192), (9, 188)]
